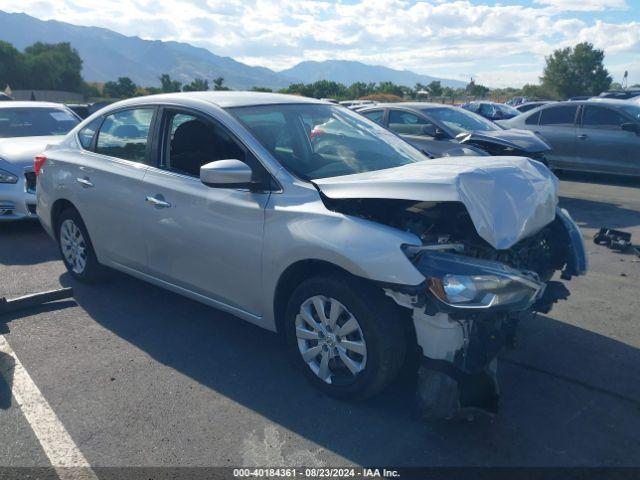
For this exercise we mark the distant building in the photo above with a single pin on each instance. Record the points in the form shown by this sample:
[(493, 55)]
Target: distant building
[(57, 96)]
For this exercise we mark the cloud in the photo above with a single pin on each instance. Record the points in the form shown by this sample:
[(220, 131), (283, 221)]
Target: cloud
[(583, 5), (450, 38)]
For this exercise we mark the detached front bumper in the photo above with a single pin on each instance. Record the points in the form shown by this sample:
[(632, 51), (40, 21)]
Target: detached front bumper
[(467, 311), (18, 200)]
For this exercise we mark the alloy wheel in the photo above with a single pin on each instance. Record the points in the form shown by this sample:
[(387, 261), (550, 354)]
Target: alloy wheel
[(73, 245), (330, 340)]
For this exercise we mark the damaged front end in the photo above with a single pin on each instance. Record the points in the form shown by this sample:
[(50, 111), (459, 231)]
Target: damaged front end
[(468, 308)]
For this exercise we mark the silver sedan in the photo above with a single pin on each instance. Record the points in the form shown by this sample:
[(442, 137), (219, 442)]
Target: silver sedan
[(26, 128), (600, 136), (308, 219)]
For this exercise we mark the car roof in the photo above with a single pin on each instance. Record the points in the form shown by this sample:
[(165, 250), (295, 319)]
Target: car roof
[(409, 105), (29, 104), (226, 99)]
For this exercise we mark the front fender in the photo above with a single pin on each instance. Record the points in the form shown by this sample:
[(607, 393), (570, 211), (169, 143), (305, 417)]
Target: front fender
[(309, 231), (577, 262)]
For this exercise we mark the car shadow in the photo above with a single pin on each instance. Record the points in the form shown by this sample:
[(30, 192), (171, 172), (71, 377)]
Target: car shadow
[(35, 245), (570, 396), (594, 214), (599, 178)]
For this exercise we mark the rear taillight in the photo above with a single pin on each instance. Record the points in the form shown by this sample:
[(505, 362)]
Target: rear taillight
[(38, 163)]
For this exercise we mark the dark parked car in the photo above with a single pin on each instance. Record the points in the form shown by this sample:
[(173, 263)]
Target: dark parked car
[(491, 110), (80, 109), (593, 135), (621, 94), (525, 107), (442, 130)]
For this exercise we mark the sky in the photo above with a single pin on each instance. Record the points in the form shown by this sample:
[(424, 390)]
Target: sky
[(499, 43)]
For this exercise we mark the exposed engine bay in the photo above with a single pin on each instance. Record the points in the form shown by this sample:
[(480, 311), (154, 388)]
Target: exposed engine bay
[(474, 295)]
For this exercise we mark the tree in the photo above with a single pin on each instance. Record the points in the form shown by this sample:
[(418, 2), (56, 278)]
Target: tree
[(52, 67), (168, 85), (261, 89), (570, 72), (218, 84), (123, 88), (435, 88), (11, 66), (197, 85), (475, 89)]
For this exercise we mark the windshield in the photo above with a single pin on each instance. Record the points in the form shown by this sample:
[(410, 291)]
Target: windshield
[(506, 109), (35, 122), (460, 120), (632, 110), (318, 141)]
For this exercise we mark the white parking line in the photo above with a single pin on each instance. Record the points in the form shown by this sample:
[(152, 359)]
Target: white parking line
[(54, 438)]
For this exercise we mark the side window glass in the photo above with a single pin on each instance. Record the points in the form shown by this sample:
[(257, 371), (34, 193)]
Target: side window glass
[(195, 142), (563, 115), (376, 116), (406, 123), (533, 119), (125, 134), (605, 118), (87, 133)]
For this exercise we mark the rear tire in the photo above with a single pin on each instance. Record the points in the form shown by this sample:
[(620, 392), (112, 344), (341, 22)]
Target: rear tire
[(355, 346), (76, 248)]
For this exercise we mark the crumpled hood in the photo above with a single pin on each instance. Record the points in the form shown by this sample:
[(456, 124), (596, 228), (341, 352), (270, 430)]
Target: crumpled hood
[(523, 140), (508, 198), (19, 151)]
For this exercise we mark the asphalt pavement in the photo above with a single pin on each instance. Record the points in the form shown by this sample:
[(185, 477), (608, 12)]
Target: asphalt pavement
[(139, 376)]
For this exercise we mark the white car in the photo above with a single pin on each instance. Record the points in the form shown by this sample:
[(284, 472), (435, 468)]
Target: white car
[(26, 128)]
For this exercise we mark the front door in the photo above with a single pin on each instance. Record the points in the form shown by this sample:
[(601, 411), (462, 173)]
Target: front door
[(603, 145), (205, 239)]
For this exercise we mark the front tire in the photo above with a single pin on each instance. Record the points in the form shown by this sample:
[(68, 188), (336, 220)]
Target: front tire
[(76, 248), (345, 335)]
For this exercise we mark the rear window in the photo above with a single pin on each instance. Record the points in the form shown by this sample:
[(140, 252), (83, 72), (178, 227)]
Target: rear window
[(124, 134), (564, 115), (35, 122)]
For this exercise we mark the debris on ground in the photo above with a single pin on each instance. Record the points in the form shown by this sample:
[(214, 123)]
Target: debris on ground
[(615, 240)]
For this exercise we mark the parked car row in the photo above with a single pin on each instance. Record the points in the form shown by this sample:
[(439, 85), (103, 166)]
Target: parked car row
[(442, 130)]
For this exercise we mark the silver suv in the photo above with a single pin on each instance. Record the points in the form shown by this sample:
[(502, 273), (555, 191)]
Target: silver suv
[(307, 219)]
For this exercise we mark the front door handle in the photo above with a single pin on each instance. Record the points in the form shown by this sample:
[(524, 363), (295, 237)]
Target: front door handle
[(157, 202), (583, 136), (85, 182)]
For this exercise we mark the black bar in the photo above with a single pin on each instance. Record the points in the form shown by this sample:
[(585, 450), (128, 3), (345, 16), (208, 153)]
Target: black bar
[(34, 299)]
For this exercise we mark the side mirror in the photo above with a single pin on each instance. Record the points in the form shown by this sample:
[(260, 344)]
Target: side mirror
[(430, 130), (226, 174), (631, 127), (433, 131)]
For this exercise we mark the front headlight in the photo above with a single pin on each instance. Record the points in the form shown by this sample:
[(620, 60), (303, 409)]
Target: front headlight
[(7, 177), (464, 282)]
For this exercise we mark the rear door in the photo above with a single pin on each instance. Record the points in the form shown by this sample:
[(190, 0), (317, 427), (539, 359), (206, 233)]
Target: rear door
[(109, 184), (557, 125), (603, 145)]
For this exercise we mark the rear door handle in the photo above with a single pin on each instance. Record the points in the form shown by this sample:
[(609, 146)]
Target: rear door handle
[(157, 202), (85, 182), (583, 136)]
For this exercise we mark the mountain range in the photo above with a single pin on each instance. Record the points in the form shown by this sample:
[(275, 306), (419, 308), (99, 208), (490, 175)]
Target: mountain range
[(108, 55)]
